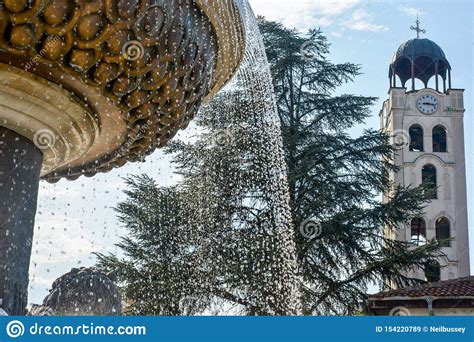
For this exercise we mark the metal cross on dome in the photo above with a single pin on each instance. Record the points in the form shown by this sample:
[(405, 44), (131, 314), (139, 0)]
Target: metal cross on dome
[(417, 28)]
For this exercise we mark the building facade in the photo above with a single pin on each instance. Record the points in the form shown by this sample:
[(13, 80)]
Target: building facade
[(424, 115)]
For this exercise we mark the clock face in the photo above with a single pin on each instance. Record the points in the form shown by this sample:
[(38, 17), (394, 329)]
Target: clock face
[(427, 104)]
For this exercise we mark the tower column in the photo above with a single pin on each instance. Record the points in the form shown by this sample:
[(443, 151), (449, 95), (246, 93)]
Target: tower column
[(449, 78), (20, 165), (460, 191)]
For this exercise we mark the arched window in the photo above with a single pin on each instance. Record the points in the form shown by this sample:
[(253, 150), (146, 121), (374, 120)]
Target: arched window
[(439, 139), (416, 138), (432, 271), (418, 231), (428, 178), (443, 231)]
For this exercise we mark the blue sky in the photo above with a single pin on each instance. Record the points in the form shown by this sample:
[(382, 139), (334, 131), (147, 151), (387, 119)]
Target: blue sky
[(77, 218)]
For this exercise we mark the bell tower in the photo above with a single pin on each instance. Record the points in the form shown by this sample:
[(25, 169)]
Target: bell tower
[(427, 126)]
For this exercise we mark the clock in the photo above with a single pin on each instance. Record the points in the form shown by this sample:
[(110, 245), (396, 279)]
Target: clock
[(427, 104)]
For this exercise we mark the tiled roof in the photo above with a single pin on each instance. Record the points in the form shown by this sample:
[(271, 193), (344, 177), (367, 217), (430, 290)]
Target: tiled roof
[(448, 288)]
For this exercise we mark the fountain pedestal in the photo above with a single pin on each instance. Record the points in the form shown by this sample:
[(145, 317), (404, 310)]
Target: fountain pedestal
[(20, 165)]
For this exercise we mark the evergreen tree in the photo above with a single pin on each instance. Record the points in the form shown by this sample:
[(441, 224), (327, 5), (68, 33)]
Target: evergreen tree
[(335, 180), (158, 252)]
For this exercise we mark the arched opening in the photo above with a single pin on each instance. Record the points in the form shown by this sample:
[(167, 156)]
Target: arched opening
[(416, 138), (432, 82), (439, 139), (443, 231), (418, 231), (402, 68), (428, 179), (419, 84), (432, 271)]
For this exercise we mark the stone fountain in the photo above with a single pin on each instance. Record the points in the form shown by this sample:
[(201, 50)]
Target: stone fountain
[(89, 85)]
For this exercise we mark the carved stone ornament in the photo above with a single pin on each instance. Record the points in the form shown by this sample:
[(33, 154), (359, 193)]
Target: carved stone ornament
[(97, 83)]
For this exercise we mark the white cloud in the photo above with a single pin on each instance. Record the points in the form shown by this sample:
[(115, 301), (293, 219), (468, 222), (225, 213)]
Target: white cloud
[(324, 21), (331, 7), (362, 21), (412, 11), (62, 239), (57, 191), (303, 14)]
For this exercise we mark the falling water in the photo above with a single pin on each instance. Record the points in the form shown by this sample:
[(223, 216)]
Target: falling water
[(252, 125)]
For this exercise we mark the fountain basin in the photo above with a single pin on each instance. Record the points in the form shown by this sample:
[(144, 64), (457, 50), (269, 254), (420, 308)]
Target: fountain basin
[(95, 84)]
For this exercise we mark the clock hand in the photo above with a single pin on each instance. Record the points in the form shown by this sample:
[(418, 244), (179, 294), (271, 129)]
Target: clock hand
[(428, 103)]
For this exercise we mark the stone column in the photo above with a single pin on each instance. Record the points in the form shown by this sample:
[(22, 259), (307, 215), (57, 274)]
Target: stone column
[(20, 165)]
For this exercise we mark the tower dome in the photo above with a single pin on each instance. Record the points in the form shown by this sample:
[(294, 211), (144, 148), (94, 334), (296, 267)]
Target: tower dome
[(419, 58)]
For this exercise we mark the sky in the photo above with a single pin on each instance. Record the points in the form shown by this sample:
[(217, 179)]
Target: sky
[(75, 219)]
